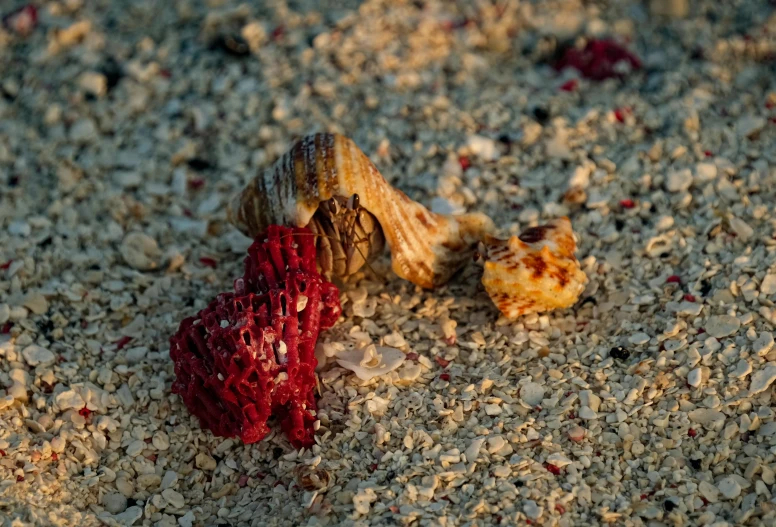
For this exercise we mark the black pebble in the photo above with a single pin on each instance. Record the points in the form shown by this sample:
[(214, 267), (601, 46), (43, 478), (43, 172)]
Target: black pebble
[(619, 353), (541, 114), (277, 452), (46, 326), (197, 163), (112, 71), (705, 287), (695, 463), (519, 483), (619, 224), (669, 505)]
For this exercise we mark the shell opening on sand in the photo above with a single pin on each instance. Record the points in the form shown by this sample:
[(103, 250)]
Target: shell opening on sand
[(426, 248), (534, 272)]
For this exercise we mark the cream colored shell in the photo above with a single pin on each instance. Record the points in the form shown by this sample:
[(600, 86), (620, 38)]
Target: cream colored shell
[(371, 361), (426, 248), (534, 272)]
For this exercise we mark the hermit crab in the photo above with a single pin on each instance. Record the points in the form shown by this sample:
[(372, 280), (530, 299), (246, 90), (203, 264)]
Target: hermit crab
[(327, 184)]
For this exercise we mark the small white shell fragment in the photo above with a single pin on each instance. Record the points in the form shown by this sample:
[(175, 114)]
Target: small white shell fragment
[(140, 251), (576, 434), (473, 450), (763, 344), (729, 487), (482, 147), (36, 303), (679, 180), (741, 228), (36, 355), (762, 379), (748, 125), (441, 205), (492, 409), (409, 373), (558, 459), (695, 377), (638, 338), (705, 172), (371, 361), (532, 510), (532, 393), (768, 285), (742, 369), (69, 399), (706, 416), (722, 326), (363, 500), (377, 405), (301, 303)]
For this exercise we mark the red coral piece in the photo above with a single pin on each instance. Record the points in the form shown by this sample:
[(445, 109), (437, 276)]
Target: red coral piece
[(598, 59), (251, 354), (208, 262), (569, 85), (22, 21)]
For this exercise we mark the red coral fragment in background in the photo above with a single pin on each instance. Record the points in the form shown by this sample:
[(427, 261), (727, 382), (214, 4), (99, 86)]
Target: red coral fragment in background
[(251, 354), (22, 21), (598, 59), (123, 341), (569, 85), (208, 262)]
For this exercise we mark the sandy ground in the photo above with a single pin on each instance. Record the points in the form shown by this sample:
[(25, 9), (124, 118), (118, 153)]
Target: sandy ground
[(648, 403)]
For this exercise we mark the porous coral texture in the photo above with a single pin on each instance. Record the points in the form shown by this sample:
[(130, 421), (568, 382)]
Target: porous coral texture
[(250, 354)]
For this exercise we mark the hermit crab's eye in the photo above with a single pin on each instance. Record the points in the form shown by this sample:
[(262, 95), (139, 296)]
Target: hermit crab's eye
[(353, 202)]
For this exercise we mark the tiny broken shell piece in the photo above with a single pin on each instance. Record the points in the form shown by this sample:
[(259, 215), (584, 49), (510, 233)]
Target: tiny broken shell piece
[(371, 361), (534, 272), (426, 248)]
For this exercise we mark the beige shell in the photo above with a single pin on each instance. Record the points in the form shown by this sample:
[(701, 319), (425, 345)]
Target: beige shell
[(371, 361), (426, 248), (534, 272)]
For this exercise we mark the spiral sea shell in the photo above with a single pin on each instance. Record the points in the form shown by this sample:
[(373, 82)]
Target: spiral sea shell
[(534, 272), (426, 248)]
